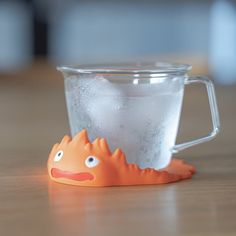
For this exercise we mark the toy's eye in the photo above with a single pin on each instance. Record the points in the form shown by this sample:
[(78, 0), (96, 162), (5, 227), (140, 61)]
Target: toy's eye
[(58, 156), (91, 161)]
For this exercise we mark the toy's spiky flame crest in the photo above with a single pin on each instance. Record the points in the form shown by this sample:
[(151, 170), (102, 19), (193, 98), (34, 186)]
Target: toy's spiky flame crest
[(108, 168)]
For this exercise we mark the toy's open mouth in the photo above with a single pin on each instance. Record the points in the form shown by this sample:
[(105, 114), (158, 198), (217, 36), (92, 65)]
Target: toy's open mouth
[(82, 176)]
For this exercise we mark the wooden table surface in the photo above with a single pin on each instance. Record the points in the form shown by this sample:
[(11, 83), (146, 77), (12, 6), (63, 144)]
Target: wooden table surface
[(33, 117)]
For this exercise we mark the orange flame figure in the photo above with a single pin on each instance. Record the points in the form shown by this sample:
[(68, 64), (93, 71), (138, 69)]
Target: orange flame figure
[(78, 162)]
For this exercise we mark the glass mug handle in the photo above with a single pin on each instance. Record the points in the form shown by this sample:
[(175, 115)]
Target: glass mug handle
[(214, 114)]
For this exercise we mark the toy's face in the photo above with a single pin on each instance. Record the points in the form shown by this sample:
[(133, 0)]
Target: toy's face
[(78, 162)]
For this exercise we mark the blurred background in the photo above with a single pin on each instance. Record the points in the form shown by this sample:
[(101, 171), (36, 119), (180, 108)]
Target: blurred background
[(37, 35), (202, 33)]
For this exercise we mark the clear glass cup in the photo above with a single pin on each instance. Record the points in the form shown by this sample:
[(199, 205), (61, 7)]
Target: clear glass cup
[(136, 107)]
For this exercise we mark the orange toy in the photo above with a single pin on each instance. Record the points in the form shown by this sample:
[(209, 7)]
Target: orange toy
[(78, 162)]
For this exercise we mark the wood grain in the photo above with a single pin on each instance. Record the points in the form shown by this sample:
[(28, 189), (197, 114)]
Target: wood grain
[(33, 117)]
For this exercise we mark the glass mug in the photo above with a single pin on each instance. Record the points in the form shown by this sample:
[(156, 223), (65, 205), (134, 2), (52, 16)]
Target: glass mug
[(135, 107)]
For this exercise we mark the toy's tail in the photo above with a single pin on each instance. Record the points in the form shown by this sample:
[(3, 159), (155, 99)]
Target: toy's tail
[(176, 171)]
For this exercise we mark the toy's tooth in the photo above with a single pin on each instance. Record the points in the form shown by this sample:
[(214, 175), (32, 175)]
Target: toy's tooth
[(66, 139), (148, 171), (96, 142), (136, 167), (81, 137), (117, 153), (104, 146), (88, 146), (133, 167)]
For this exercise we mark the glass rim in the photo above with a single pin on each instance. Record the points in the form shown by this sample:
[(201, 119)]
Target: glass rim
[(158, 68)]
